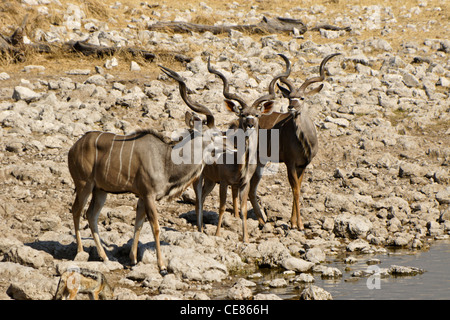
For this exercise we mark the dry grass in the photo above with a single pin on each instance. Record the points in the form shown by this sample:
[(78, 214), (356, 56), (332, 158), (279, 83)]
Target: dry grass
[(95, 9), (12, 13)]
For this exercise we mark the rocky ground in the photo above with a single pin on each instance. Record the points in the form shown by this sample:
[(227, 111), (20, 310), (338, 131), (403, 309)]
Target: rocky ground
[(380, 179)]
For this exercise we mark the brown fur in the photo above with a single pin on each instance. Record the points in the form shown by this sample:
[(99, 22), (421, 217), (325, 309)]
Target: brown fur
[(298, 139), (80, 280), (140, 163), (238, 174)]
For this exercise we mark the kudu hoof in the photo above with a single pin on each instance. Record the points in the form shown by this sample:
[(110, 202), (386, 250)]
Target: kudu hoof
[(163, 272)]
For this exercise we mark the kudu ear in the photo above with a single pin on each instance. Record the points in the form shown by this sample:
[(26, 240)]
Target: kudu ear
[(284, 91), (232, 107), (267, 107), (314, 91), (190, 118)]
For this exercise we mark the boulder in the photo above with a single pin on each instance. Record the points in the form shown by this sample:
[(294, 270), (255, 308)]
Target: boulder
[(404, 271), (351, 226), (358, 245), (187, 262), (327, 272), (96, 79), (197, 267), (239, 292), (408, 170), (277, 283), (24, 93), (28, 256), (26, 283), (296, 264), (273, 253), (142, 271), (313, 292), (315, 255), (443, 196), (339, 202), (304, 278), (266, 296)]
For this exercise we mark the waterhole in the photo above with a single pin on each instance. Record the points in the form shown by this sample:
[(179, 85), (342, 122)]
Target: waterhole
[(433, 284)]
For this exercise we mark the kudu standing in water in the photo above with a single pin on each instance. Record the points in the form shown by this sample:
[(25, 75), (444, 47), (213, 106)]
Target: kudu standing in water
[(297, 138), (139, 163)]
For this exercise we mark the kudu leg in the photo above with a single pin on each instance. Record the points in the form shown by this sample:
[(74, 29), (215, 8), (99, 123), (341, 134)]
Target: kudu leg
[(96, 205), (254, 182), (197, 185), (140, 218), (83, 193), (243, 196), (299, 217), (152, 216), (295, 178), (202, 188), (222, 205), (235, 196)]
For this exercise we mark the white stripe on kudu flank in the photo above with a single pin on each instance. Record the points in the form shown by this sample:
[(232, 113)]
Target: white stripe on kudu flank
[(96, 149), (108, 161), (120, 162), (129, 163)]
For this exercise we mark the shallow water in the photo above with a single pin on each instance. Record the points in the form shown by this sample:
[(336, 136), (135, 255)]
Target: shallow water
[(433, 284)]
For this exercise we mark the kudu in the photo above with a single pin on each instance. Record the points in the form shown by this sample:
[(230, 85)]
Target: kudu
[(238, 173), (139, 163), (297, 138)]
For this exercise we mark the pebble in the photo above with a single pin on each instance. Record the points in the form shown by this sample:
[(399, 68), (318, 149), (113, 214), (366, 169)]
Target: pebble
[(4, 76), (80, 72), (304, 278), (111, 63), (134, 66), (404, 271), (277, 283), (31, 68)]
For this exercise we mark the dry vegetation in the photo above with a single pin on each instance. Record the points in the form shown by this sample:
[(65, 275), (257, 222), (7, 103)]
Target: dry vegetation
[(12, 13)]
